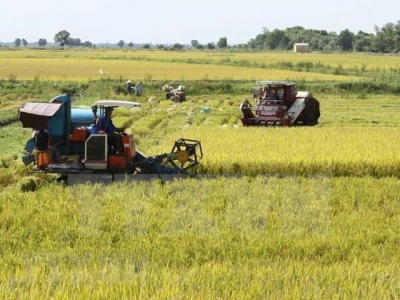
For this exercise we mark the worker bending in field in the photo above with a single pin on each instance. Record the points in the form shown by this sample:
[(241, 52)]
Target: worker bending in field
[(106, 125), (41, 139)]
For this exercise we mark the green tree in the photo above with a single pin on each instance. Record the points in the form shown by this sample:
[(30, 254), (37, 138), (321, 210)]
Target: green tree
[(42, 42), (222, 43), (17, 42), (277, 40), (177, 46), (121, 43), (211, 46), (363, 41), (259, 41), (76, 42), (24, 42), (194, 43), (387, 38), (61, 38), (323, 42), (345, 40), (88, 44)]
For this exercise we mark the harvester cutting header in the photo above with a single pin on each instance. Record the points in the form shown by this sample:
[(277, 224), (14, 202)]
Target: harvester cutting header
[(84, 152), (278, 103)]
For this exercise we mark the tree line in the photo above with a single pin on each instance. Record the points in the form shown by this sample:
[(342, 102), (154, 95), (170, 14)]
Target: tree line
[(385, 40)]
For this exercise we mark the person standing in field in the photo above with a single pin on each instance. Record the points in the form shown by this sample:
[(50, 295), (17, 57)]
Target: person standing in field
[(139, 89), (130, 87)]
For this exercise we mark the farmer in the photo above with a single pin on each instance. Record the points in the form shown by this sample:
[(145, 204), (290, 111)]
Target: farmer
[(139, 89), (42, 145), (106, 125), (130, 87)]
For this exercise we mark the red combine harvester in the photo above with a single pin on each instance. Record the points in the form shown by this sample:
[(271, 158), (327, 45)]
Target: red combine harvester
[(279, 104), (176, 95)]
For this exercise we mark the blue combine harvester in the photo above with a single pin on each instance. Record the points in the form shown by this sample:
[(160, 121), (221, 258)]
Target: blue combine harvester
[(80, 152)]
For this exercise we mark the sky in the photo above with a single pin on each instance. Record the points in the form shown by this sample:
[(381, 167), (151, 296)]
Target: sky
[(181, 21)]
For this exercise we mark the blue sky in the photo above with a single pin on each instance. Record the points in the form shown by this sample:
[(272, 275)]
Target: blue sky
[(180, 21)]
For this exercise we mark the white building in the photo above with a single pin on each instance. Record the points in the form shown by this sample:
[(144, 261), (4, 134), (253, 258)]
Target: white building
[(300, 47)]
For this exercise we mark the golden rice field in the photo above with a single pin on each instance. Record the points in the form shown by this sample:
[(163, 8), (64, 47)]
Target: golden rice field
[(89, 69), (174, 65), (221, 238), (368, 61), (350, 151), (279, 213)]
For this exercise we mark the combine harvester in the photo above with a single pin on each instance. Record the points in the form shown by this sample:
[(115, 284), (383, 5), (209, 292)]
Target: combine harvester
[(279, 104), (177, 95), (85, 153)]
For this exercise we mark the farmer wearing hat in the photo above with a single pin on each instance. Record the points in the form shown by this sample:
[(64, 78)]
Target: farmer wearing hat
[(130, 87), (106, 125)]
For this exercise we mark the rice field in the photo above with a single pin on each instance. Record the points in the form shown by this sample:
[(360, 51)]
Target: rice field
[(81, 69), (85, 65), (242, 238), (360, 60), (275, 213)]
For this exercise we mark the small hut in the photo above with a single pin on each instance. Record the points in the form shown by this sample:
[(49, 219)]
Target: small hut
[(300, 47)]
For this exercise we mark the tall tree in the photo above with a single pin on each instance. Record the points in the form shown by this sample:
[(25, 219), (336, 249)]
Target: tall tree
[(42, 42), (76, 42), (121, 43), (345, 40), (259, 41), (24, 42), (88, 44), (363, 41), (222, 43), (70, 41), (17, 42), (177, 46), (211, 46), (277, 40), (62, 38), (194, 43)]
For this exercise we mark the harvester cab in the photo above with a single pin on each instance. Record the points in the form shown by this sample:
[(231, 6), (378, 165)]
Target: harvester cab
[(278, 103), (84, 150)]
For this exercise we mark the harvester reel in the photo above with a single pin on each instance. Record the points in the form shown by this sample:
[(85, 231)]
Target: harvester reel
[(186, 153)]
